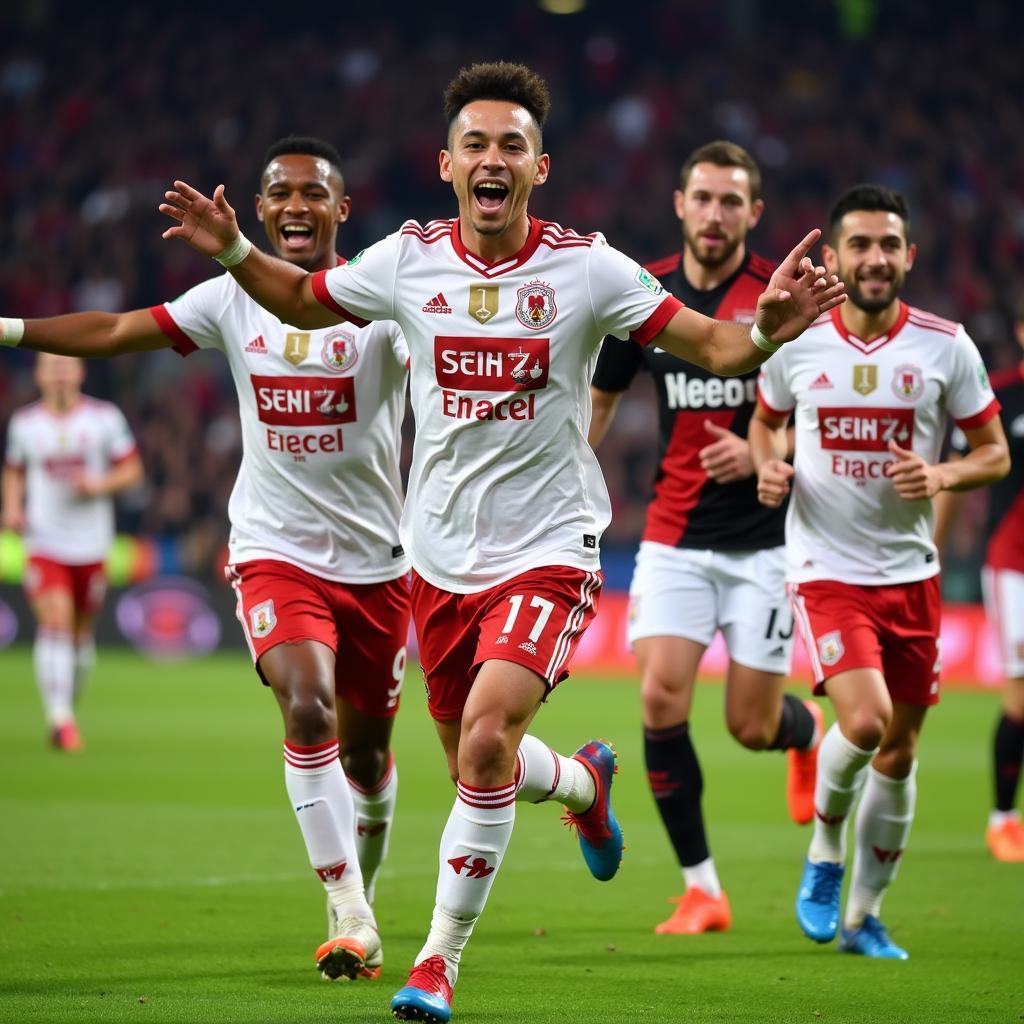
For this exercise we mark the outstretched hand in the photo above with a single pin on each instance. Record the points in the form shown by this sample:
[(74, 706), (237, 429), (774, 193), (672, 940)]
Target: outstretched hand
[(797, 294), (912, 477), (208, 225)]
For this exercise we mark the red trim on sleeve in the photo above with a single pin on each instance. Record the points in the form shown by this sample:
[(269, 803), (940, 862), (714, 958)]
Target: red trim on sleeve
[(130, 454), (324, 297), (979, 419), (180, 341), (657, 321), (762, 401)]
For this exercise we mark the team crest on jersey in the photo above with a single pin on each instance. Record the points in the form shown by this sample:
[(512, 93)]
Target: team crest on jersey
[(908, 382), (535, 305), (296, 347), (262, 618), (865, 378), (339, 351), (650, 282), (830, 647)]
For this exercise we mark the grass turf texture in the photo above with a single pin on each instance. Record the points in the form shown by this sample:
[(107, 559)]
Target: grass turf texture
[(160, 877)]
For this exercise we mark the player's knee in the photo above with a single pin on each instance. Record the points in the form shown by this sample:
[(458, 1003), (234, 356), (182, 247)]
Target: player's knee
[(310, 717), (866, 726), (752, 733), (897, 761), (662, 698), (365, 764), (486, 748)]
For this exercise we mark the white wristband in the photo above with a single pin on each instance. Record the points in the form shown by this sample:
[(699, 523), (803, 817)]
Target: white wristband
[(12, 330), (761, 341), (235, 252)]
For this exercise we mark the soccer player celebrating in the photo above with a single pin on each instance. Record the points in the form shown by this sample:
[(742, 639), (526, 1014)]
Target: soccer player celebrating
[(711, 556), (870, 387), (316, 562), (1002, 581), (67, 455), (504, 314)]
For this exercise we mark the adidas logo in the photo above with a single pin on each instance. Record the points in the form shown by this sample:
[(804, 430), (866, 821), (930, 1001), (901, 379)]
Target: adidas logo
[(438, 304), (821, 382), (257, 346), (529, 646), (779, 652)]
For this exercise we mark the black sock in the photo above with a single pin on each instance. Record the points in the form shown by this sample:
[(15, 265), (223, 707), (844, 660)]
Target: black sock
[(673, 772), (796, 726), (1008, 752)]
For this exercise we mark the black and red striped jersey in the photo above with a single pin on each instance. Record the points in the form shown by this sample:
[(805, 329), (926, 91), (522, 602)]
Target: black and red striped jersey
[(1006, 497), (689, 510)]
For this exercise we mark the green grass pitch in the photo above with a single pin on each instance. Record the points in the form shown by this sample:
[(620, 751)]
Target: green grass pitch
[(160, 877)]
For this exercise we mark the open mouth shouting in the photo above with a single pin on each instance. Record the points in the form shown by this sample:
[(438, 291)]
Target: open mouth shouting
[(490, 195), (295, 237)]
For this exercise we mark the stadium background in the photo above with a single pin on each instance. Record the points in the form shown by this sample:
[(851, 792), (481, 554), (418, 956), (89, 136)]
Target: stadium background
[(101, 106)]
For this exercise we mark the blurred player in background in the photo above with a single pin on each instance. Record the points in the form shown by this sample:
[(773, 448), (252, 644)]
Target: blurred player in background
[(504, 314), (316, 561), (1002, 581), (67, 455), (711, 556), (871, 387)]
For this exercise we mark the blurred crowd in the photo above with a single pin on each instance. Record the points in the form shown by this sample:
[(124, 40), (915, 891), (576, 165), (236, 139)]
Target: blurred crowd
[(102, 106)]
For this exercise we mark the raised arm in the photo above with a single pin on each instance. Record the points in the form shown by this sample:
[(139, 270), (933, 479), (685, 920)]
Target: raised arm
[(797, 294), (92, 335), (604, 405), (210, 227)]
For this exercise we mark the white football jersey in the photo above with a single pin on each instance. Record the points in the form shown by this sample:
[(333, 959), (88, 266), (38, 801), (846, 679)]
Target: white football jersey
[(502, 479), (54, 449), (846, 522), (319, 485)]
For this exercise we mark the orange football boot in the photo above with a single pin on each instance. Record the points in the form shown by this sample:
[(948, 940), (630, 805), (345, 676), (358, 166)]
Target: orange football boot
[(697, 912), (1006, 841), (803, 771)]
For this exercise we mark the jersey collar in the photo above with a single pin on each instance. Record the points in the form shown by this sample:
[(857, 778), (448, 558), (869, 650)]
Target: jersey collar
[(488, 269), (868, 347)]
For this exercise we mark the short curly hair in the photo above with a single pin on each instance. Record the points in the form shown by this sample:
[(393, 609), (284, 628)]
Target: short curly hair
[(304, 145), (499, 80), (871, 198)]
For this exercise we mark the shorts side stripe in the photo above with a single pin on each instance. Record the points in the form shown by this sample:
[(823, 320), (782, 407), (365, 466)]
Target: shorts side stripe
[(800, 616), (573, 621), (236, 585)]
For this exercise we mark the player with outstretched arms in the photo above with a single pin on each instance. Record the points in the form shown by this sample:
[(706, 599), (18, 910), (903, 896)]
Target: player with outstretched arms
[(504, 314), (1002, 584), (711, 556), (315, 558), (67, 455), (870, 387)]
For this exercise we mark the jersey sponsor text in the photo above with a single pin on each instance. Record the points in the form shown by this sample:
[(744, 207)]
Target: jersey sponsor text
[(305, 401), (865, 430)]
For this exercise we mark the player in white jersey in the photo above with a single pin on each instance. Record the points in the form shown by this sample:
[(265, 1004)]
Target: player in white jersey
[(504, 315), (316, 559), (870, 387), (67, 455)]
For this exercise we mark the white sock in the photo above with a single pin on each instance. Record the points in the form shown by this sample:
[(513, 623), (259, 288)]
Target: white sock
[(54, 659), (323, 807), (374, 812), (542, 774), (85, 659), (841, 767), (999, 818), (472, 847), (703, 876), (884, 817)]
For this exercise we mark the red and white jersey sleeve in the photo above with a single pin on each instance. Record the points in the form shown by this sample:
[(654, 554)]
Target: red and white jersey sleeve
[(851, 398), (502, 479), (321, 412), (55, 450)]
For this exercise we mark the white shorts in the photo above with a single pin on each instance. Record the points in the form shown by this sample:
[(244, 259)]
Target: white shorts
[(1003, 590), (691, 594)]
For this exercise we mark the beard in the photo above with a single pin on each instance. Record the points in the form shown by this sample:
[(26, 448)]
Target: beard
[(872, 304), (711, 261)]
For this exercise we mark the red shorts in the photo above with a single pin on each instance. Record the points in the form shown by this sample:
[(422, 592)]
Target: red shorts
[(535, 619), (87, 584), (365, 624), (893, 628)]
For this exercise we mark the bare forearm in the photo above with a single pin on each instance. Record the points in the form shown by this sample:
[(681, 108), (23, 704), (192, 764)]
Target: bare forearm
[(121, 477), (766, 442), (91, 335), (604, 405), (282, 289), (979, 467), (723, 348)]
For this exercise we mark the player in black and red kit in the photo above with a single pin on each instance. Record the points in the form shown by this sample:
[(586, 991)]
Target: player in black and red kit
[(711, 555), (1003, 587)]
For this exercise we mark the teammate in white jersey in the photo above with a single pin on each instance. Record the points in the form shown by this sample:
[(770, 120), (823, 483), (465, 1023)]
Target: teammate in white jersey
[(870, 386), (67, 454), (504, 315), (316, 559)]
